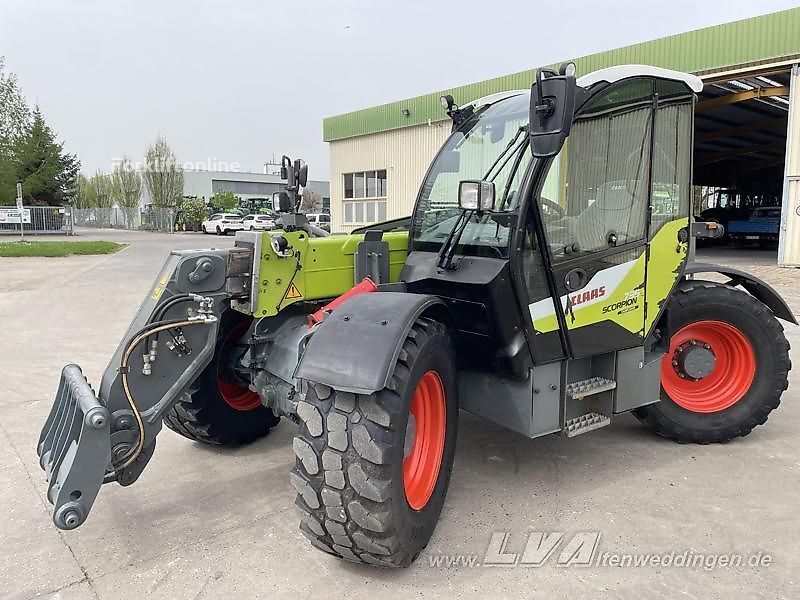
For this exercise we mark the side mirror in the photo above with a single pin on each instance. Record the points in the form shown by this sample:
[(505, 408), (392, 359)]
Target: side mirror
[(284, 202), (476, 195), (552, 109)]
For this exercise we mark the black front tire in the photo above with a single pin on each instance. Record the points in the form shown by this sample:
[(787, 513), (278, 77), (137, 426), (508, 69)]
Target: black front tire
[(350, 455), (706, 301), (203, 415)]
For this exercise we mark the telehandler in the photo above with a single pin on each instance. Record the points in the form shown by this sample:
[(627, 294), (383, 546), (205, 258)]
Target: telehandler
[(545, 281)]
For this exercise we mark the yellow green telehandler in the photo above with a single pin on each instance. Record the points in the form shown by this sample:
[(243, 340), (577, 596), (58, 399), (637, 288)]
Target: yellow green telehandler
[(545, 281)]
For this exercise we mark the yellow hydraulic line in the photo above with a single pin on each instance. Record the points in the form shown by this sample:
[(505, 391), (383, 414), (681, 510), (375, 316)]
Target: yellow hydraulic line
[(123, 371)]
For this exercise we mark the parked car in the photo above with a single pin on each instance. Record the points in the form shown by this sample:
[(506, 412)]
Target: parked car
[(762, 227), (223, 223), (321, 220), (254, 222)]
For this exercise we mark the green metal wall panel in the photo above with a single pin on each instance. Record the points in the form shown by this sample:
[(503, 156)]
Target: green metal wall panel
[(755, 40)]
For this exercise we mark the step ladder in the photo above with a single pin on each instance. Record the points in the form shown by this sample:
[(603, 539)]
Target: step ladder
[(578, 390), (585, 423)]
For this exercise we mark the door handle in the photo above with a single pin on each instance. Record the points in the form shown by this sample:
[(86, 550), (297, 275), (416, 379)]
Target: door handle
[(575, 279)]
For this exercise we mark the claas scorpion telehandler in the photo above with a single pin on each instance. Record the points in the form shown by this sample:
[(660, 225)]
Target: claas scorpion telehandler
[(545, 281)]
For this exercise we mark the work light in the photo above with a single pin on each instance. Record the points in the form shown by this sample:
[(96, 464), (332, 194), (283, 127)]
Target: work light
[(476, 195)]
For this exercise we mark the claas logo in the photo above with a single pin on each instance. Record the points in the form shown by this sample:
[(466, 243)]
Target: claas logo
[(582, 297)]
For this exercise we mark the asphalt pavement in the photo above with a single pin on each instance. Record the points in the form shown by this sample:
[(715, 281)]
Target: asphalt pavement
[(206, 522)]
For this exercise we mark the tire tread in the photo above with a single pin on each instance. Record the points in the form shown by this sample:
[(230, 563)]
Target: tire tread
[(363, 530), (685, 298)]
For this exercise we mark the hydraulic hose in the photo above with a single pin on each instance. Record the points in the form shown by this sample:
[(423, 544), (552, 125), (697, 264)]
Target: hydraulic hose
[(162, 308), (139, 337)]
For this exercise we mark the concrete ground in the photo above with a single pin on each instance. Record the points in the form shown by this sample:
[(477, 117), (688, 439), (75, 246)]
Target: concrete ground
[(209, 523)]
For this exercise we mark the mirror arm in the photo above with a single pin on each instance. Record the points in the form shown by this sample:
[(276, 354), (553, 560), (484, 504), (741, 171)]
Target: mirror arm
[(544, 107)]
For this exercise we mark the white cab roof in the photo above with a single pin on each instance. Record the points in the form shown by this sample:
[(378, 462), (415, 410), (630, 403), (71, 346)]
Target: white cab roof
[(612, 74)]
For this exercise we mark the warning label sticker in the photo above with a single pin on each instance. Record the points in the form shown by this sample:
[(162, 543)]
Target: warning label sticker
[(293, 292)]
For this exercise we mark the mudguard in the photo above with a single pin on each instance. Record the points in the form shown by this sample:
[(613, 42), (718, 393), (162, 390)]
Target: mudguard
[(758, 288), (355, 348)]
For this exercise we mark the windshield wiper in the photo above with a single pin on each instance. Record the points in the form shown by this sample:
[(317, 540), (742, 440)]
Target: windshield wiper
[(511, 143), (513, 174), (448, 249)]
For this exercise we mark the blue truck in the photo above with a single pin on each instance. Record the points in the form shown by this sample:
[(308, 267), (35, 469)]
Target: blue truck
[(761, 227)]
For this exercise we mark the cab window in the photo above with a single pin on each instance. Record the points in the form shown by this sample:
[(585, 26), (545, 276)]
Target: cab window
[(597, 190), (672, 155)]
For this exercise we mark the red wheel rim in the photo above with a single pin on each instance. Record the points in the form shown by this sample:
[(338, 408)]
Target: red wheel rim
[(427, 425), (237, 397), (729, 380)]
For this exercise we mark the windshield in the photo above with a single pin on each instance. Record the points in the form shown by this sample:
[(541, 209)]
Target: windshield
[(491, 145)]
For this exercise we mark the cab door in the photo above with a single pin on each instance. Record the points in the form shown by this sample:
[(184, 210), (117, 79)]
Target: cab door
[(593, 207), (607, 243)]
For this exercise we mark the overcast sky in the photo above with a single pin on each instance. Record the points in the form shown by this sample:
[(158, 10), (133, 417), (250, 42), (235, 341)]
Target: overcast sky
[(241, 81)]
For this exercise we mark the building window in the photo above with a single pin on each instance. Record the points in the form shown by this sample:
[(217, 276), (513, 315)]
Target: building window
[(365, 197)]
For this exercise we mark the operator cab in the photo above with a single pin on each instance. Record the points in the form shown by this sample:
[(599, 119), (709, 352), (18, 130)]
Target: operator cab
[(536, 231)]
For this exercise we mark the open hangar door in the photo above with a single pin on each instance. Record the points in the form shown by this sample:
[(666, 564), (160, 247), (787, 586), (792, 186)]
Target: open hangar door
[(740, 146), (789, 248)]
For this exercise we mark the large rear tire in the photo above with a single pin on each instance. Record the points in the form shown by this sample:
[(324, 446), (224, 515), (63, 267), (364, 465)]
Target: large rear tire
[(726, 369), (372, 470), (219, 409)]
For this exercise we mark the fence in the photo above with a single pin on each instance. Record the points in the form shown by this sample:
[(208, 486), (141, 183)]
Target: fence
[(152, 219), (36, 220), (62, 219)]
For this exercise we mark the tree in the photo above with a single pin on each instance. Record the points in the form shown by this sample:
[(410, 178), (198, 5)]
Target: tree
[(48, 174), (30, 152), (126, 185), (14, 112), (311, 202), (223, 201), (163, 175), (14, 119), (83, 196), (193, 212), (95, 191)]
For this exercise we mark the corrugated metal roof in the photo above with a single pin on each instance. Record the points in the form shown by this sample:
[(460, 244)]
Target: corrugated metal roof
[(756, 40)]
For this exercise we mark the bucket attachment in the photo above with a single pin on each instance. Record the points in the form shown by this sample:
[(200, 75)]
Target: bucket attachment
[(76, 434)]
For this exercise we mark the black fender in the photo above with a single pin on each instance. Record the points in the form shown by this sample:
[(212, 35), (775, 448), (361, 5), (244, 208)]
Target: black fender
[(755, 286), (355, 348)]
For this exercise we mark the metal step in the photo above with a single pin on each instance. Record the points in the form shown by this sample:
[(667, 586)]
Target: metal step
[(586, 387), (582, 424)]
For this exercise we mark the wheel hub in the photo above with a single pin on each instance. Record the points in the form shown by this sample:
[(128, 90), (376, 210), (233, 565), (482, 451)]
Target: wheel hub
[(694, 360), (236, 395), (710, 367)]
